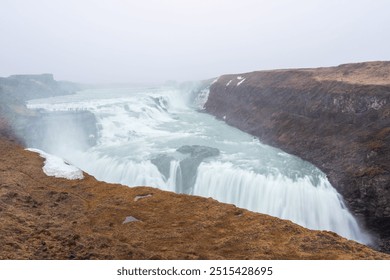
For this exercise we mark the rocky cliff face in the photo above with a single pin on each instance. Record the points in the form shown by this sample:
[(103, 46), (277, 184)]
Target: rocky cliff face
[(44, 217), (337, 118)]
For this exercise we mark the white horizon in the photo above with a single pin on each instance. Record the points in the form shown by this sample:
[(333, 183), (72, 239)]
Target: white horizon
[(152, 41)]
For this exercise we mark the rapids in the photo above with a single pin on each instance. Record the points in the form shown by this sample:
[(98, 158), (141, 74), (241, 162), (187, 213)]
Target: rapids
[(158, 137)]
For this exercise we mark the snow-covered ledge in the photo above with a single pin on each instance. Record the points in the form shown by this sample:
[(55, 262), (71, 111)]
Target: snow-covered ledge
[(57, 167)]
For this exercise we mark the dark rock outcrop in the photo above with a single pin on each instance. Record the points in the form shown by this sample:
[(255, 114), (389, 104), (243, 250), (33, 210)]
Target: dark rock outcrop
[(163, 164), (337, 118), (189, 160), (189, 166), (197, 151)]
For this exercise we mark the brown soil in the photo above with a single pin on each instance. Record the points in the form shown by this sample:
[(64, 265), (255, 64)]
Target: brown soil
[(368, 73), (364, 73), (43, 217)]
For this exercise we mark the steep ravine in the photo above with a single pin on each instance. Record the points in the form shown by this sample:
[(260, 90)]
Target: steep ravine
[(337, 118)]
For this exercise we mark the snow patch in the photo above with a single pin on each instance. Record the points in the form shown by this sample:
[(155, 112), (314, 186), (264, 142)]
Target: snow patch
[(216, 80), (240, 82), (228, 83), (57, 167), (240, 78)]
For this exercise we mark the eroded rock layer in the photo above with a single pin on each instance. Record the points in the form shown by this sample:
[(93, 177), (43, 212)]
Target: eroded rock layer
[(338, 118)]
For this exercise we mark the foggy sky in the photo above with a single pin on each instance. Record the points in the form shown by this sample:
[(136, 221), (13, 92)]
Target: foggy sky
[(100, 41)]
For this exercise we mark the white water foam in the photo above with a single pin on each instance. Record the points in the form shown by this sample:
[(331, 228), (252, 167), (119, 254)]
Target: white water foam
[(314, 207), (137, 126)]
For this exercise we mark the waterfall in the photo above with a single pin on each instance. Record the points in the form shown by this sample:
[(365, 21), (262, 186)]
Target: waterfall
[(314, 207), (151, 137)]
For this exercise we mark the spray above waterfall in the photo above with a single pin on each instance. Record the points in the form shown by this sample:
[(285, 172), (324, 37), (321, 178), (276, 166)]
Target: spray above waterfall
[(154, 137)]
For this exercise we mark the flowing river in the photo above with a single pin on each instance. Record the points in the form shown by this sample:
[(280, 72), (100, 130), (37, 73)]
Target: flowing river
[(158, 137)]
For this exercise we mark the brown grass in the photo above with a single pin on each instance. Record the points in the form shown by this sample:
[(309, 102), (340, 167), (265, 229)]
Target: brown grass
[(49, 218)]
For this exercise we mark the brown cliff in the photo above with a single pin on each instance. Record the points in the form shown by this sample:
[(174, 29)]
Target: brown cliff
[(49, 218), (338, 118)]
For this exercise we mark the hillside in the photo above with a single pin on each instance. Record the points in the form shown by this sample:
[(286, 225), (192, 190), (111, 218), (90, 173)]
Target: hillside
[(49, 218)]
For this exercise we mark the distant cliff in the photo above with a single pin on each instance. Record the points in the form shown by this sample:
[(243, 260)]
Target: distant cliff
[(337, 118), (24, 87)]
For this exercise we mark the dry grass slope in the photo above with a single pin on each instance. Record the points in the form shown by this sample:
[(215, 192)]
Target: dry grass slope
[(48, 218)]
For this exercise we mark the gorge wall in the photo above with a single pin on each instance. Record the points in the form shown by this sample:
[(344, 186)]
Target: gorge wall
[(338, 118)]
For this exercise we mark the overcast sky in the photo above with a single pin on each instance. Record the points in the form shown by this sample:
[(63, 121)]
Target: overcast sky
[(104, 41)]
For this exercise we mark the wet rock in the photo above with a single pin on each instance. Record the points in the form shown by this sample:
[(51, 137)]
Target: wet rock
[(188, 170), (189, 166), (197, 151), (163, 164)]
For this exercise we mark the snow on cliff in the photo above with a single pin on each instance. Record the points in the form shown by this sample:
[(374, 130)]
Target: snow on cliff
[(57, 167)]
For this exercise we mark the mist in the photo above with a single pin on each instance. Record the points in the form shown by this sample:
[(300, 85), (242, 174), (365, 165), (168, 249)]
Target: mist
[(119, 41)]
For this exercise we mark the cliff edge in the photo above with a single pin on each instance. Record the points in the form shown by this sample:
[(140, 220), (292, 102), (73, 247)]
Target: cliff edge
[(337, 118)]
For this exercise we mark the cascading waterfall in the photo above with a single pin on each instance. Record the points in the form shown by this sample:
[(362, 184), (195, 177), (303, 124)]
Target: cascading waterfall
[(153, 137), (296, 200)]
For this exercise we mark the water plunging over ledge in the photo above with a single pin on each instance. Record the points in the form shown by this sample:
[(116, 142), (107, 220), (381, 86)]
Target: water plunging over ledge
[(155, 137)]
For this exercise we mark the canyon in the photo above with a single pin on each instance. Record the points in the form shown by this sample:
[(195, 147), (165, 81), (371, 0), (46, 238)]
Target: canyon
[(336, 118)]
